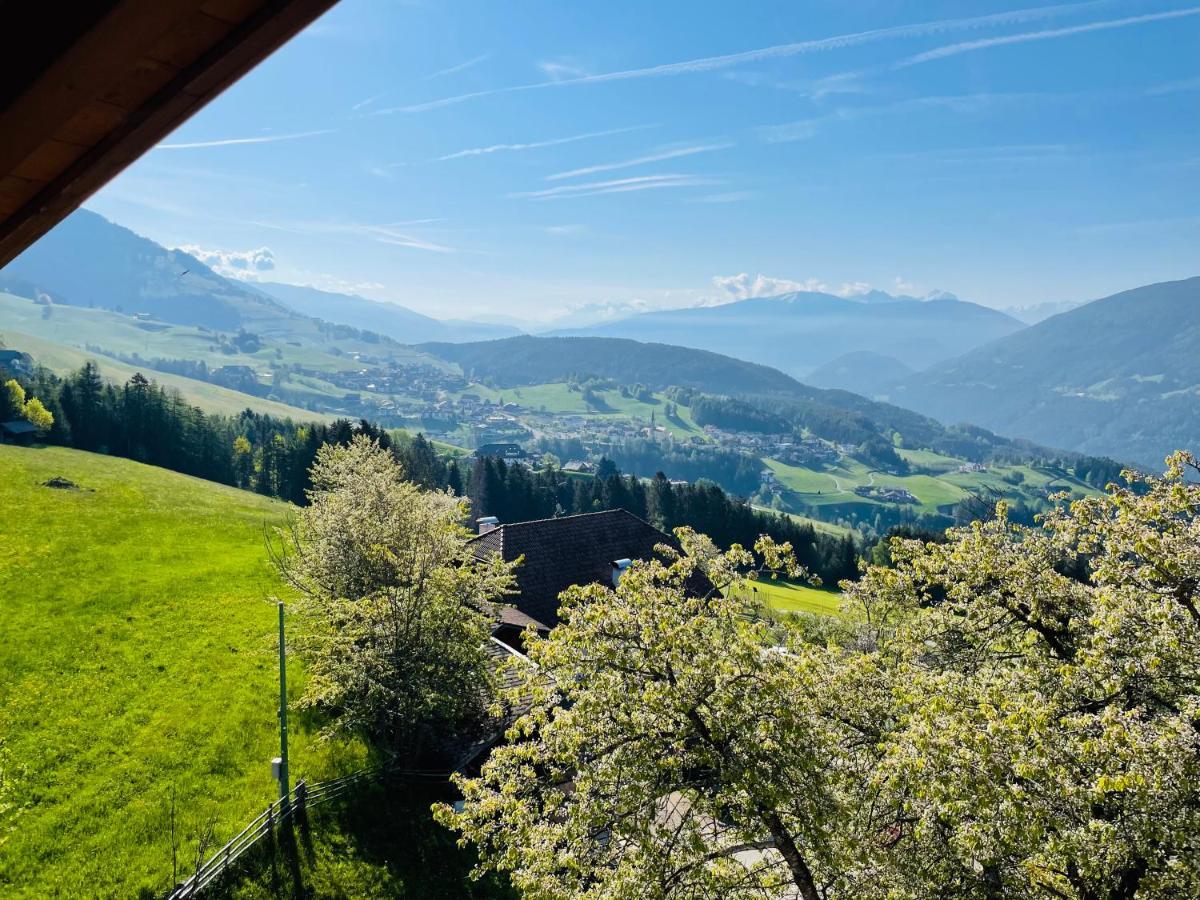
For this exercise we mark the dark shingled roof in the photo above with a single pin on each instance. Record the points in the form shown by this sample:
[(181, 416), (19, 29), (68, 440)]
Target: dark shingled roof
[(566, 551), (465, 749)]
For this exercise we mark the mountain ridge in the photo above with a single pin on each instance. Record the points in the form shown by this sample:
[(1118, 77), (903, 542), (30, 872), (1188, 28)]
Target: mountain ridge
[(801, 331), (1118, 376), (88, 260), (390, 319)]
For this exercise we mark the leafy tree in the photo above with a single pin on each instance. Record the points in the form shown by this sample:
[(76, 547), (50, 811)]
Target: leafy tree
[(32, 409), (12, 398), (984, 723), (37, 415), (243, 460), (1050, 723), (396, 610), (667, 752), (15, 392)]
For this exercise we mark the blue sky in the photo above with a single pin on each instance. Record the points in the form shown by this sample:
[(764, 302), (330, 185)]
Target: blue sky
[(523, 159)]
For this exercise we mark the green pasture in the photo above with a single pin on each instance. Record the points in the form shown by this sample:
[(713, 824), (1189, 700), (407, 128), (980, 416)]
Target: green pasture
[(138, 662), (786, 596), (211, 398)]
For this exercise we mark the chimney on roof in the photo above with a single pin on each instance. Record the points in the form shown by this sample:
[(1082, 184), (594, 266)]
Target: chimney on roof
[(618, 568), (487, 523)]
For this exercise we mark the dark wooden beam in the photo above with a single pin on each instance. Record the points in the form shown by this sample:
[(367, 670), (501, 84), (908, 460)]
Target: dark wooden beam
[(78, 97)]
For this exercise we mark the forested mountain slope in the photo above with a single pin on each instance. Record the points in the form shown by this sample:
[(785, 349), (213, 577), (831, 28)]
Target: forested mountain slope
[(833, 414), (1118, 377)]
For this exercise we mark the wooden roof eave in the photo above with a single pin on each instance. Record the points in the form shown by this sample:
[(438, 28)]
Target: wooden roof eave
[(114, 91)]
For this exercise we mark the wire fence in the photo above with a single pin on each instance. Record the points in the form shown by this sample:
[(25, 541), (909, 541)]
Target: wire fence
[(302, 797)]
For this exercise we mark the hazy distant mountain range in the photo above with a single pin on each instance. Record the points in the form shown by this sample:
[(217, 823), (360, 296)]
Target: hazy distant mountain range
[(1037, 312), (860, 371), (1118, 376), (802, 331), (391, 319)]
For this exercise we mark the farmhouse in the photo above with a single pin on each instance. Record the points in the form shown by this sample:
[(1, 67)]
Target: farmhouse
[(17, 432), (592, 548), (886, 494), (16, 361)]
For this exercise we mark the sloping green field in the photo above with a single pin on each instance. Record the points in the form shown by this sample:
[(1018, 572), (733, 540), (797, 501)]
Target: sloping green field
[(784, 596), (290, 340), (834, 485), (557, 398), (212, 398), (138, 659)]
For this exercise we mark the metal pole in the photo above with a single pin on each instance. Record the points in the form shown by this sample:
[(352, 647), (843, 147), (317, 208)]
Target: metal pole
[(284, 786)]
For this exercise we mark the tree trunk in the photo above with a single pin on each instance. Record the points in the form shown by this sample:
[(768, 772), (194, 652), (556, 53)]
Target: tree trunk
[(801, 874)]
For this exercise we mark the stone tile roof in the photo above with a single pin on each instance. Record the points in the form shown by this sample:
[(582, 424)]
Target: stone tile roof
[(567, 551), (505, 664)]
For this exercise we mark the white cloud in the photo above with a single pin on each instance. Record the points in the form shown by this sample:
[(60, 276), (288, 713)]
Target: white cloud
[(229, 142), (362, 104), (1048, 34), (744, 286), (902, 286), (617, 186), (566, 229), (535, 145), (1174, 87), (778, 51), (245, 265), (813, 89), (853, 289), (661, 155), (387, 171)]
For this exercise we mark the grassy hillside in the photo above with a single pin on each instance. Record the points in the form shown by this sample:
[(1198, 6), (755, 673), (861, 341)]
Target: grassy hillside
[(784, 596), (138, 659), (211, 398), (834, 414), (936, 489), (558, 398), (124, 335)]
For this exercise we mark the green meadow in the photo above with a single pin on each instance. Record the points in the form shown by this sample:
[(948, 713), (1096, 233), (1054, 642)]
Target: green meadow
[(558, 398), (289, 340), (211, 398), (788, 597), (940, 485), (138, 662)]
